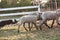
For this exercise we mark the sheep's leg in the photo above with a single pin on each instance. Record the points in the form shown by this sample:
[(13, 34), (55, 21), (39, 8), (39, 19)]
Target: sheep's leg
[(46, 25), (52, 23), (24, 26), (35, 25), (29, 27), (43, 21), (19, 24), (18, 28), (57, 21)]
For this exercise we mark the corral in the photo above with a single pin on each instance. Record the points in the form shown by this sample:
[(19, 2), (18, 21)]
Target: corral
[(8, 31)]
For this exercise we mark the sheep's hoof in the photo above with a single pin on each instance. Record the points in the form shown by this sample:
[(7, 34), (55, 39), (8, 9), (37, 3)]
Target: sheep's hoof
[(29, 29), (49, 27), (18, 31), (37, 29), (40, 28)]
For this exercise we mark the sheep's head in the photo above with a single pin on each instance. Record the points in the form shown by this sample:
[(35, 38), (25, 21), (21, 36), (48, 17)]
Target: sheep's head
[(39, 16), (58, 11)]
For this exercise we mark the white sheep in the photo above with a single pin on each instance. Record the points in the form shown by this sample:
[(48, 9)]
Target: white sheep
[(50, 15), (38, 18), (27, 19), (30, 19)]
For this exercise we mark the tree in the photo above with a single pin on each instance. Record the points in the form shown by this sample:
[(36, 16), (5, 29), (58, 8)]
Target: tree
[(13, 3), (3, 4), (24, 3)]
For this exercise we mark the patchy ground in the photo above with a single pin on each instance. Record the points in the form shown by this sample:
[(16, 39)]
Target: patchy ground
[(10, 33)]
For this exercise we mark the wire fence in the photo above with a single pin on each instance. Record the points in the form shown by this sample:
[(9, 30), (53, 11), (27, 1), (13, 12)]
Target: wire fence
[(50, 6)]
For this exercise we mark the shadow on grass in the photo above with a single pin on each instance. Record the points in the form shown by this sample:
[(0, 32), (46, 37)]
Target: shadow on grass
[(11, 32), (33, 35)]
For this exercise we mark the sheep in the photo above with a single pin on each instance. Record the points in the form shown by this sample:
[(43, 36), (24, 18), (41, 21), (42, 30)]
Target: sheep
[(50, 15), (38, 18), (29, 19), (7, 22), (58, 14), (14, 21), (29, 22), (1, 24)]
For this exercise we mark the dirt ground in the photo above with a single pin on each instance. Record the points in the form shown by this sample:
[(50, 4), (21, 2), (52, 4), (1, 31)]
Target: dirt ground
[(10, 33)]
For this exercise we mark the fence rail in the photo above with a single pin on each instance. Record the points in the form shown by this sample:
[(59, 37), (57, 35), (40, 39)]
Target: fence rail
[(20, 13), (19, 8)]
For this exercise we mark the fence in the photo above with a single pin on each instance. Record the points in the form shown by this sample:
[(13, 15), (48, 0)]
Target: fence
[(18, 8), (51, 5)]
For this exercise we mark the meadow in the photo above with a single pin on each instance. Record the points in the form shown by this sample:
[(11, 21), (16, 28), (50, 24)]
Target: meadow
[(9, 32)]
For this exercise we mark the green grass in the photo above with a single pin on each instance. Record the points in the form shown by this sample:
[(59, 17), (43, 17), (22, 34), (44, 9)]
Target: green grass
[(10, 33), (10, 17)]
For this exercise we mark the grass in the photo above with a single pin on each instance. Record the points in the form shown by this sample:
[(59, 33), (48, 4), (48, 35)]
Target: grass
[(10, 33)]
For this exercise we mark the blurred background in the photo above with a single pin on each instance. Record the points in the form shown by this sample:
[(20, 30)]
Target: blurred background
[(45, 5)]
